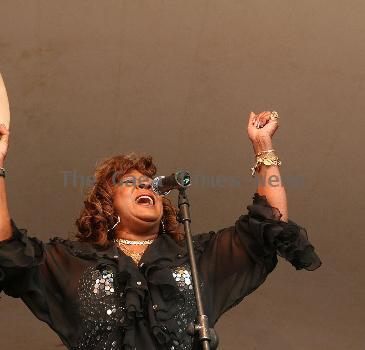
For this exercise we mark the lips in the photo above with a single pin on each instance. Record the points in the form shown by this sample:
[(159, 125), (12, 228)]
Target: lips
[(145, 200)]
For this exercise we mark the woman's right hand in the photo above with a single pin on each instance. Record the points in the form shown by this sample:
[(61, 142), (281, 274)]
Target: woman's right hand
[(4, 142)]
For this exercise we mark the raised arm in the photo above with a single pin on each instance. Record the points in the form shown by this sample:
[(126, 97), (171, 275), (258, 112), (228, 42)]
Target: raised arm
[(261, 130), (236, 260), (20, 255)]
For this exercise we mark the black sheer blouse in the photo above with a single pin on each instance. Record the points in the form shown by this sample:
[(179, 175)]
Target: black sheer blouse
[(98, 298)]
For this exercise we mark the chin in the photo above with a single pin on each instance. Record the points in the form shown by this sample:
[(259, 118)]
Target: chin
[(147, 218)]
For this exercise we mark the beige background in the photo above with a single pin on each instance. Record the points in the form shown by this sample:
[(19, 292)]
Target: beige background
[(177, 79)]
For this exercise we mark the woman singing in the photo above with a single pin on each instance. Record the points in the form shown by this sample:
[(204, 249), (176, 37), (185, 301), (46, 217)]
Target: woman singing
[(125, 282)]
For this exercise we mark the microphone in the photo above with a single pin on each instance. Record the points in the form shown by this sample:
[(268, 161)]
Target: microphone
[(162, 185)]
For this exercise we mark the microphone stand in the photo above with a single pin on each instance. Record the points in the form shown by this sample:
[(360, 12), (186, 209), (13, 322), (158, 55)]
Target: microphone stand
[(199, 330)]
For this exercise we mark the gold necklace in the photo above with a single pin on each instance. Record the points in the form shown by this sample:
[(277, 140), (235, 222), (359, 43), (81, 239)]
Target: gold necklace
[(136, 256)]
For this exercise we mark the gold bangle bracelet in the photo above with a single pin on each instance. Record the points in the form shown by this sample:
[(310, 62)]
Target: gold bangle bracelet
[(268, 158)]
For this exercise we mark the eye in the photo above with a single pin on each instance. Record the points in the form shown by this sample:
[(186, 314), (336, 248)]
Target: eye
[(128, 181)]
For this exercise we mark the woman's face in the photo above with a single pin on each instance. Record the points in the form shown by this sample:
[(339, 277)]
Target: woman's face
[(137, 213)]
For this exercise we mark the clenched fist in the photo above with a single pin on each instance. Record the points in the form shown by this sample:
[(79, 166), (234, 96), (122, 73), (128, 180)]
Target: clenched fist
[(260, 126)]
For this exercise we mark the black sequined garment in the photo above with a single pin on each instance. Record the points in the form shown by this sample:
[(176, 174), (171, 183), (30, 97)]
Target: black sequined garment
[(98, 299), (102, 308)]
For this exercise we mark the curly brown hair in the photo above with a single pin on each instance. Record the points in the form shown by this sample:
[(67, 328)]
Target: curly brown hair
[(98, 214)]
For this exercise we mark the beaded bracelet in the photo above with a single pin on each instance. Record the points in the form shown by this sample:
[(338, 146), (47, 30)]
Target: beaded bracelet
[(269, 150)]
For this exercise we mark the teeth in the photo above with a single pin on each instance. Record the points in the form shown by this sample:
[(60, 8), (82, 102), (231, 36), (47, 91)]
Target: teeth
[(145, 196)]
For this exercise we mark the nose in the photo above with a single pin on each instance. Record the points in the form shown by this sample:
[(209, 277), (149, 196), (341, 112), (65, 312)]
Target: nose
[(147, 185)]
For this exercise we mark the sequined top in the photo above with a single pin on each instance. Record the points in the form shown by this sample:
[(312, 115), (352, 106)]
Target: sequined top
[(98, 299)]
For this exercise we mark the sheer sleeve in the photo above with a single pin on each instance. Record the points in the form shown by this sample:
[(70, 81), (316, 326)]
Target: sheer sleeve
[(45, 277), (20, 256), (236, 260), (21, 260)]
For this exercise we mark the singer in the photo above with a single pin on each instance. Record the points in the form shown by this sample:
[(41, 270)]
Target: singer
[(124, 281)]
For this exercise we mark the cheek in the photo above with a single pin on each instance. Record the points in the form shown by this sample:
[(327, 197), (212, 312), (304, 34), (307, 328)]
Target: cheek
[(160, 205), (121, 200)]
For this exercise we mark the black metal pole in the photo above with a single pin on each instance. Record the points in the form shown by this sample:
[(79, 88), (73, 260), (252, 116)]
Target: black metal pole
[(200, 329)]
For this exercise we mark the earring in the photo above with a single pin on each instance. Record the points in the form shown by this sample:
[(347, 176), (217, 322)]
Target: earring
[(115, 223), (163, 227)]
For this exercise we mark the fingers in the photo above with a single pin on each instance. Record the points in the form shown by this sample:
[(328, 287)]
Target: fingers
[(260, 120)]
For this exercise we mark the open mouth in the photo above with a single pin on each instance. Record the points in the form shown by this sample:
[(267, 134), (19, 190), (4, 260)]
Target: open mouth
[(145, 200)]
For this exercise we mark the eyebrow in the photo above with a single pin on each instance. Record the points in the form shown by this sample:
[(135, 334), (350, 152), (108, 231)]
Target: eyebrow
[(145, 177)]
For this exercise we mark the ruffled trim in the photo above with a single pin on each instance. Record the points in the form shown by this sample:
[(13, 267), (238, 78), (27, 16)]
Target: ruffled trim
[(288, 239), (157, 295), (83, 249), (162, 299), (133, 300)]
